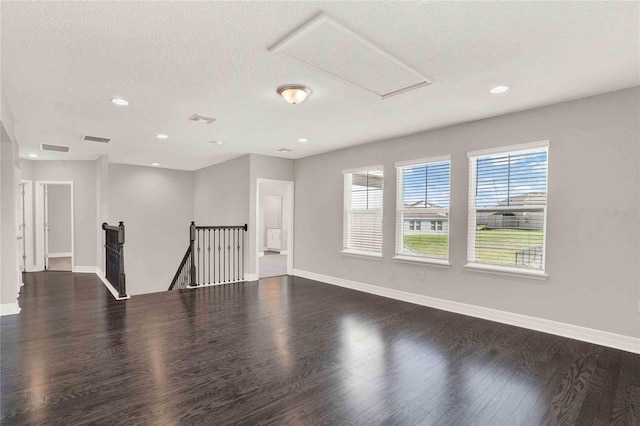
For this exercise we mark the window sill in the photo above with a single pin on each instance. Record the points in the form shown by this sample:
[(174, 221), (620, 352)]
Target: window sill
[(356, 253), (438, 263), (506, 270)]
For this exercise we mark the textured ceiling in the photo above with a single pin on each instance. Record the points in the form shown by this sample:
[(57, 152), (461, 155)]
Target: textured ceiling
[(63, 61)]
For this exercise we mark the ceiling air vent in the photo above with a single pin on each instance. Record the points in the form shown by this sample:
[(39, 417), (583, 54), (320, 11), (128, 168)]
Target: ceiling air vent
[(202, 119), (56, 148), (95, 139)]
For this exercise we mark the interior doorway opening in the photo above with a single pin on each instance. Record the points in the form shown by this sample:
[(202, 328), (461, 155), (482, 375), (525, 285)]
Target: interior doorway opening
[(54, 226), (275, 228)]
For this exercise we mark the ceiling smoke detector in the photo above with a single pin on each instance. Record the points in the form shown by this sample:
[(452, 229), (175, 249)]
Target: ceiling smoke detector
[(202, 119), (55, 148), (95, 139)]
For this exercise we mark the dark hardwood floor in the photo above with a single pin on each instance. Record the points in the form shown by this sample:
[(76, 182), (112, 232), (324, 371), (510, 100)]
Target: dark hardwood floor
[(291, 351)]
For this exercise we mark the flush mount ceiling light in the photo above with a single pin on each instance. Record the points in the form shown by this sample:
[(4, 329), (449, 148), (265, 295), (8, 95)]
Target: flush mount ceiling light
[(162, 136), (33, 155), (294, 93), (155, 164), (120, 101), (497, 90), (303, 140)]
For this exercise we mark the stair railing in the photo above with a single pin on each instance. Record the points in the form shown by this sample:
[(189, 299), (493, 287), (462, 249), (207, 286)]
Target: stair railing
[(216, 255), (114, 257)]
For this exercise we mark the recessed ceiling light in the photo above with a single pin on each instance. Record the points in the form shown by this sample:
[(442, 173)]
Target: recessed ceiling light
[(162, 136), (155, 164), (303, 140), (285, 150), (216, 142), (120, 101), (498, 90), (33, 155), (294, 93)]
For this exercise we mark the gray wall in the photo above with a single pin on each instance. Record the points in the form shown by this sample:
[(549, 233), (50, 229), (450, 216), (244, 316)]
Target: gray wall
[(156, 206), (592, 256), (102, 206), (59, 218), (222, 193), (9, 269), (83, 176)]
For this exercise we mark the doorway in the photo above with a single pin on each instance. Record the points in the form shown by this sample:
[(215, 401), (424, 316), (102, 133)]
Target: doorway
[(25, 227), (275, 227), (54, 226)]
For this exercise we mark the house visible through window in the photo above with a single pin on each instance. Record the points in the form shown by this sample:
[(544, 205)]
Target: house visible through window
[(363, 198), (507, 207), (423, 195)]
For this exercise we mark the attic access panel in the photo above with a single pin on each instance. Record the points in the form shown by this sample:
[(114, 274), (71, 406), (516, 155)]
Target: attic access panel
[(328, 46)]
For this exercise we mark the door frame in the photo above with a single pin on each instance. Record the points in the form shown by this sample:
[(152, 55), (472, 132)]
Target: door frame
[(41, 216), (290, 194), (26, 205)]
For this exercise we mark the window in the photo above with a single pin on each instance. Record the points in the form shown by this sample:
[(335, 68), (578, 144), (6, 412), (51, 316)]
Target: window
[(423, 195), (507, 207), (363, 197)]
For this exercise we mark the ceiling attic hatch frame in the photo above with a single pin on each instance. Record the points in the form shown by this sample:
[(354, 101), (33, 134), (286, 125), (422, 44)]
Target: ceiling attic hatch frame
[(367, 65)]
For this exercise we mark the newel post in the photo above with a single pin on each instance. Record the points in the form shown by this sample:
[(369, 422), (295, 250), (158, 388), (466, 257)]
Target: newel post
[(122, 291), (192, 238)]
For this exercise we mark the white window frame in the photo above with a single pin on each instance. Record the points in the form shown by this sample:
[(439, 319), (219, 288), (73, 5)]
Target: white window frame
[(399, 255), (346, 226), (472, 265)]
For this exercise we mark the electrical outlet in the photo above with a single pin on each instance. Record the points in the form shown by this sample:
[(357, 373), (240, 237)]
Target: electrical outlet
[(421, 275)]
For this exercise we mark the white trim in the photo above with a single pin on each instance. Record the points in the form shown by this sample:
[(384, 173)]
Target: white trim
[(85, 269), (107, 284), (358, 253), (214, 284), (67, 254), (439, 263), (28, 223), (290, 231), (429, 160), (590, 335), (250, 277), (506, 270), (9, 309), (261, 253), (40, 248), (510, 148), (376, 168)]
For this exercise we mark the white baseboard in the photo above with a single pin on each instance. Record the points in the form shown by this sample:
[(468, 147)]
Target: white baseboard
[(261, 254), (598, 337), (251, 277), (107, 284), (215, 284), (66, 254), (9, 309), (85, 269)]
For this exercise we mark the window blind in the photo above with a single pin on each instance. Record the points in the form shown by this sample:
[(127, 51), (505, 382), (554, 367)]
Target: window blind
[(507, 207), (422, 208), (363, 198)]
